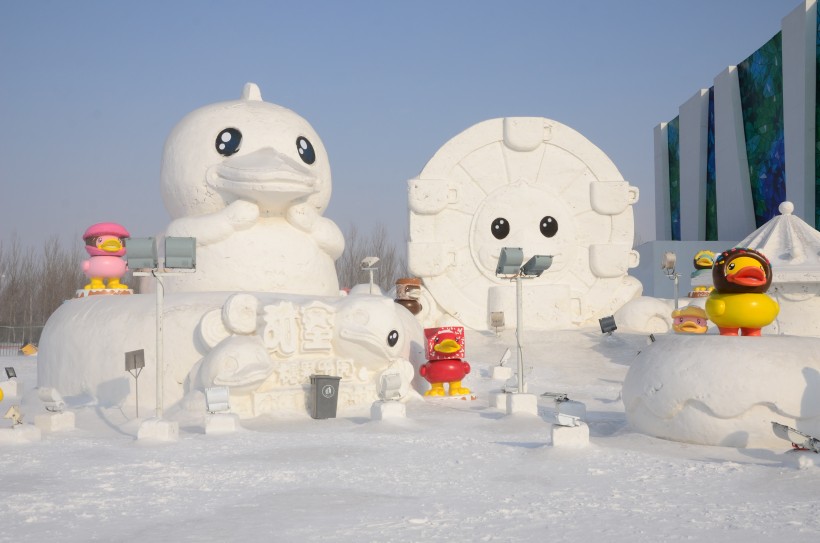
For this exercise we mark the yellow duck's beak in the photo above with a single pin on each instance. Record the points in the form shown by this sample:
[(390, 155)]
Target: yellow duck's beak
[(705, 261), (111, 245), (690, 327), (745, 271), (447, 346)]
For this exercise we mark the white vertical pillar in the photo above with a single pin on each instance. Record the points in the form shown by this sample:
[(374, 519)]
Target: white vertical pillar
[(735, 209), (694, 127), (663, 208), (799, 76)]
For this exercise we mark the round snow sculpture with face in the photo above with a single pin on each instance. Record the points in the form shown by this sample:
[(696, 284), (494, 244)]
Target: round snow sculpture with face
[(249, 180), (531, 183)]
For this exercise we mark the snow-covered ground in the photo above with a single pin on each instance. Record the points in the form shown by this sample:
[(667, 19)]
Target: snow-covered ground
[(451, 471)]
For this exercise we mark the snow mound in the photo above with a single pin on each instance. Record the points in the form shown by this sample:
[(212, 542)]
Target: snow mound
[(718, 390)]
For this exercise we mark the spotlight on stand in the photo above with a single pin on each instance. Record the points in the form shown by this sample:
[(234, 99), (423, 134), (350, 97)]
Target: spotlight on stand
[(10, 373), (14, 414), (668, 266), (607, 325), (52, 399), (509, 266), (180, 257), (497, 320), (217, 399), (369, 265)]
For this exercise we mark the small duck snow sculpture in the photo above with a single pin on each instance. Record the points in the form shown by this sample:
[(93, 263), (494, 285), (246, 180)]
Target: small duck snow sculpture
[(250, 180), (105, 244), (741, 277)]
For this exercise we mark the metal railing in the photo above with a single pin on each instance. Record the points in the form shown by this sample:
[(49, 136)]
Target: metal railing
[(13, 338)]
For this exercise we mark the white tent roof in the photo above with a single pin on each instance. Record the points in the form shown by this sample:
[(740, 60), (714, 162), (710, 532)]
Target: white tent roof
[(790, 244)]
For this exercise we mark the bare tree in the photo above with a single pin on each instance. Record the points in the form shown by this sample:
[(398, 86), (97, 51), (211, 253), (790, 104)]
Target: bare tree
[(33, 285), (392, 262)]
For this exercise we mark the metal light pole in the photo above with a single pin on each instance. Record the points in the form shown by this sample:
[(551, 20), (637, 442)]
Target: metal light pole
[(160, 357), (519, 325), (509, 265), (180, 257)]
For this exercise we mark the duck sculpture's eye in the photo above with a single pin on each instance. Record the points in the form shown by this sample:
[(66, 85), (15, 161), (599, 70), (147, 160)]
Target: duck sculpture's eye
[(392, 338), (227, 142), (549, 226), (305, 148), (500, 228), (731, 266)]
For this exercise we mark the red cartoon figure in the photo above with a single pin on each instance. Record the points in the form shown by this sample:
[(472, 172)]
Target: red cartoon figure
[(445, 350)]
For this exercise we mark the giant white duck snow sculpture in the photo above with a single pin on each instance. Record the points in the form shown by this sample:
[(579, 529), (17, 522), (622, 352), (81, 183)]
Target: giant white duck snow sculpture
[(250, 180)]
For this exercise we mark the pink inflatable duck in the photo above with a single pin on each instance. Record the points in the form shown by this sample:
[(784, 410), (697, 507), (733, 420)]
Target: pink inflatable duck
[(105, 243)]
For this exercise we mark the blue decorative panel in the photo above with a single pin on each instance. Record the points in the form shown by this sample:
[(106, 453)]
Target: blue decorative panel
[(761, 96), (673, 135), (711, 173), (817, 127)]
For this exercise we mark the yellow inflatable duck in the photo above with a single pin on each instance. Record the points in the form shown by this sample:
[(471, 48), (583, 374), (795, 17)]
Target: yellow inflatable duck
[(741, 277), (689, 319)]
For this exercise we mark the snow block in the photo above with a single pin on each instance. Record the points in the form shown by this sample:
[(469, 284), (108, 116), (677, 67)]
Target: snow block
[(570, 436), (221, 423), (158, 430), (9, 388), (501, 373), (20, 433), (498, 398), (55, 422), (383, 410), (522, 403)]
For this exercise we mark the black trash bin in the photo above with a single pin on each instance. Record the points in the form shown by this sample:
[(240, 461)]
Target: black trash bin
[(324, 396)]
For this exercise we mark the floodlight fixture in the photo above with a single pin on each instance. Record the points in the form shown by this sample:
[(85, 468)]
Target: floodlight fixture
[(141, 253), (14, 414), (52, 399), (668, 261), (369, 262), (217, 399), (497, 320), (135, 360), (607, 325), (509, 261), (180, 253), (536, 265), (668, 266), (390, 385), (10, 373), (369, 265), (134, 363)]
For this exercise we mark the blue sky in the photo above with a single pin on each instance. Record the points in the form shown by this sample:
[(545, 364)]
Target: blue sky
[(90, 89)]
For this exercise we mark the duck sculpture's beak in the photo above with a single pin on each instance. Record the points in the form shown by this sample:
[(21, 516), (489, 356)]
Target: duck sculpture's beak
[(266, 176), (749, 276), (111, 245)]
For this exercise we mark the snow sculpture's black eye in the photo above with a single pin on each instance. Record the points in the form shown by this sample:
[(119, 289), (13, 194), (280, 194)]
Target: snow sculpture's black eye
[(500, 228), (305, 148), (549, 226), (392, 338), (227, 142)]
